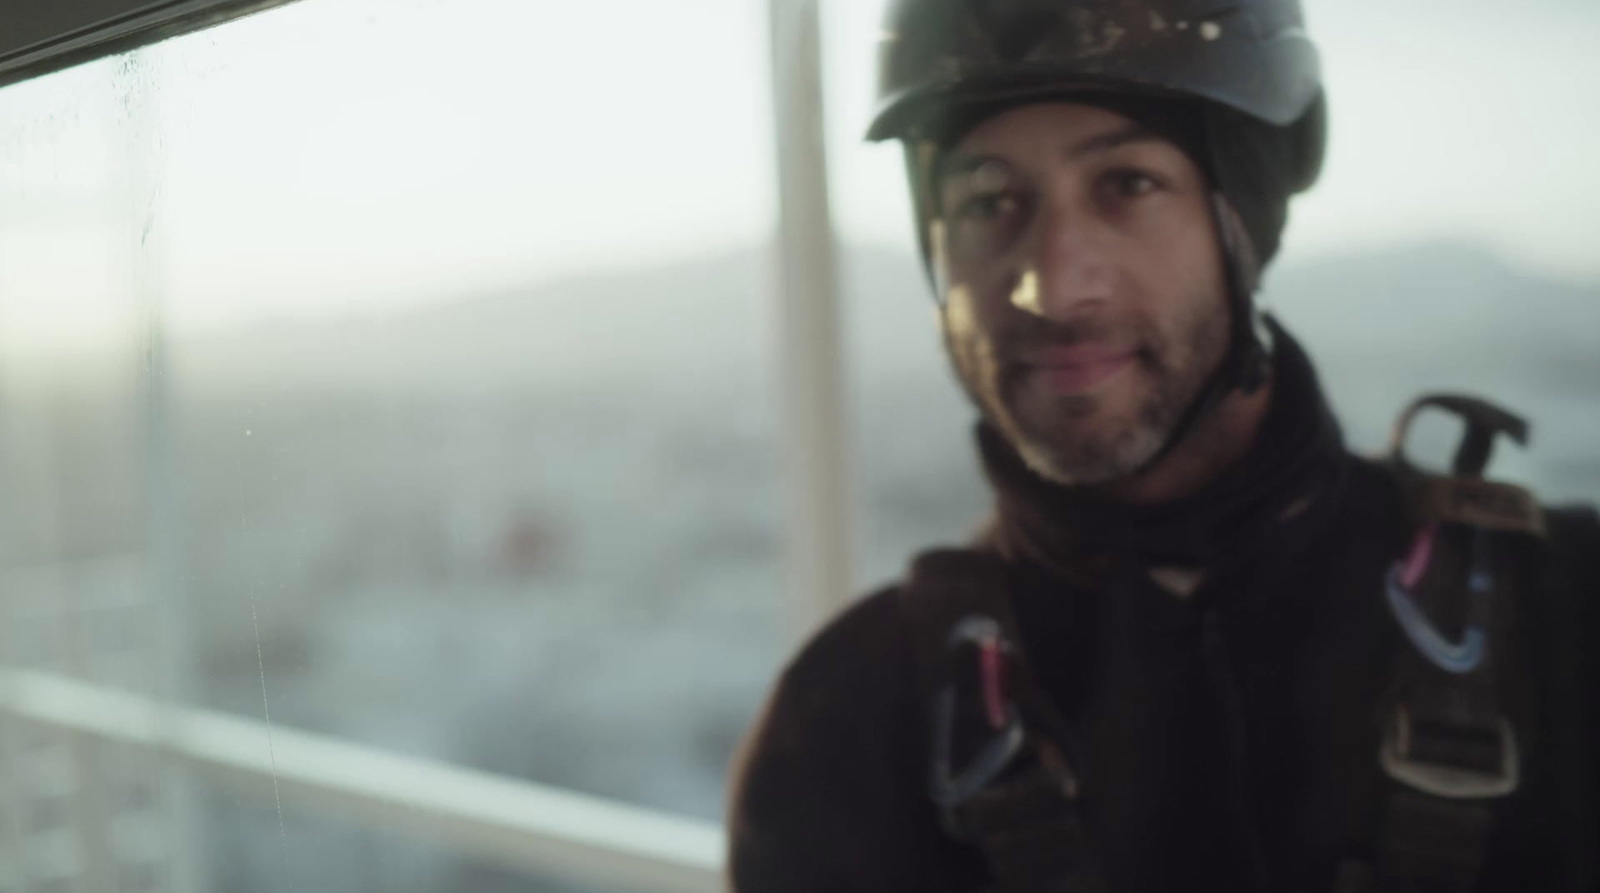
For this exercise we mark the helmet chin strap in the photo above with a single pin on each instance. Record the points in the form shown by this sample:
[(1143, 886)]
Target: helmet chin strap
[(1246, 365)]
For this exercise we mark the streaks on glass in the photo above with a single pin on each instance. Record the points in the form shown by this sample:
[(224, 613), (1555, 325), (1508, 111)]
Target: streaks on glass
[(266, 713)]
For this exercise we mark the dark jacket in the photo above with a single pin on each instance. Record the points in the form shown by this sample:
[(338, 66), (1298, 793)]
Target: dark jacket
[(1228, 738)]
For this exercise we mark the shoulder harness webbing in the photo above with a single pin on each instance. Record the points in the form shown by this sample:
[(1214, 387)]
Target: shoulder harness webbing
[(1449, 749), (1001, 771)]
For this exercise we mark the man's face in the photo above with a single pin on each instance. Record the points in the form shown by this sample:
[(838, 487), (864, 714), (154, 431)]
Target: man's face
[(1084, 296)]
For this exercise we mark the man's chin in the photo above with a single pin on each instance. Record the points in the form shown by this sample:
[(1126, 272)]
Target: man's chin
[(1087, 451), (1068, 425)]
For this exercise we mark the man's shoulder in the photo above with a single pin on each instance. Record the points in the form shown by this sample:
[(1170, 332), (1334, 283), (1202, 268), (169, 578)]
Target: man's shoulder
[(1578, 522), (825, 768), (1568, 521), (844, 683), (1572, 531), (1571, 557), (868, 636), (829, 791)]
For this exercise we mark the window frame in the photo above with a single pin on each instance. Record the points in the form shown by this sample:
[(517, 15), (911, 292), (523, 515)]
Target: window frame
[(42, 36)]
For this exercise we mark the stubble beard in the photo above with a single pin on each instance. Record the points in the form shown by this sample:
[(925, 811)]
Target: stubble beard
[(1058, 447), (1079, 440)]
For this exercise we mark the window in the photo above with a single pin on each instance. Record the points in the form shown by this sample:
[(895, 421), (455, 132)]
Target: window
[(374, 375), (392, 433)]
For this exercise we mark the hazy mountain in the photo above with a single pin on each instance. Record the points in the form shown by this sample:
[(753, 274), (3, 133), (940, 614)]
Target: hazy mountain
[(1432, 303)]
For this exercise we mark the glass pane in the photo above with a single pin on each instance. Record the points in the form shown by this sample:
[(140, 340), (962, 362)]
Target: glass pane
[(1446, 248), (398, 371), (73, 395), (335, 853), (78, 575), (83, 815)]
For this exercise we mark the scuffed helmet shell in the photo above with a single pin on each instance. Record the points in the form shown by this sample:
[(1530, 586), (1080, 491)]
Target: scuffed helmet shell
[(1250, 55)]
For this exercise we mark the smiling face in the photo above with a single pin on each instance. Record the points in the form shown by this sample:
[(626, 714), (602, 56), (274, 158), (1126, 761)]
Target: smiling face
[(1084, 294)]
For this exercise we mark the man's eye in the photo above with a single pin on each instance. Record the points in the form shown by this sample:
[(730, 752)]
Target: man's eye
[(1126, 184), (989, 207)]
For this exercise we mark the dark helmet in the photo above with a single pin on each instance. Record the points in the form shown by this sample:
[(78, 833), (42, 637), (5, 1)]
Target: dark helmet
[(1252, 56)]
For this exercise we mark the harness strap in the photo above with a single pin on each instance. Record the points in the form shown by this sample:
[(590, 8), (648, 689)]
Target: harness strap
[(1001, 770), (1431, 843), (999, 777), (1565, 623), (1032, 834), (1448, 748)]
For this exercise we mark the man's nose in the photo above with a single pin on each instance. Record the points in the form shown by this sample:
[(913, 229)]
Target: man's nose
[(1071, 273)]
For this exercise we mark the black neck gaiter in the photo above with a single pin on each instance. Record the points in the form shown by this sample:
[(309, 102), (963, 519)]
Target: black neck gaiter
[(1295, 463)]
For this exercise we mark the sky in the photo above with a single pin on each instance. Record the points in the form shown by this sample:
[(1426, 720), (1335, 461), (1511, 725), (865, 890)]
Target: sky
[(333, 157)]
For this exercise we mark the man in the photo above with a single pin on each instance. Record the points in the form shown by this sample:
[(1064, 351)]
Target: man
[(1201, 646)]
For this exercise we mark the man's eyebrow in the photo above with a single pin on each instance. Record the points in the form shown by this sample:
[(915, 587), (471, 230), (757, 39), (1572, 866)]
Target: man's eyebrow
[(957, 164)]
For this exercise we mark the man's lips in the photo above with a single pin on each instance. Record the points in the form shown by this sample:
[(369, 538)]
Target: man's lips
[(1077, 369)]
